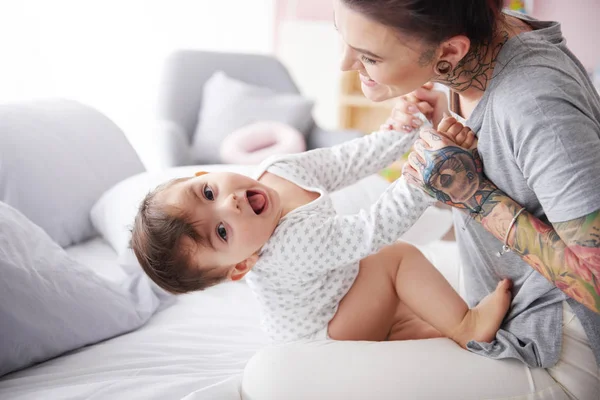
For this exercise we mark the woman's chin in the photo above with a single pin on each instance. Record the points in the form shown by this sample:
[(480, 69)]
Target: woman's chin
[(377, 93)]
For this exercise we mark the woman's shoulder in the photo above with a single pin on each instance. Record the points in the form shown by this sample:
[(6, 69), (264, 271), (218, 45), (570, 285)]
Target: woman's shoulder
[(536, 74)]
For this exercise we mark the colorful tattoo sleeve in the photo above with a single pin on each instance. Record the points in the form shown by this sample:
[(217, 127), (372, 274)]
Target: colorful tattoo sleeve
[(566, 253)]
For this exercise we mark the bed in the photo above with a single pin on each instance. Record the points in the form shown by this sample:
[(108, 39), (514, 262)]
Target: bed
[(198, 344), (70, 171)]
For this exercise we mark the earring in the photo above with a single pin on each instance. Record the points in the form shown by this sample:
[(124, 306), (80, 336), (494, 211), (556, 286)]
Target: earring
[(442, 67)]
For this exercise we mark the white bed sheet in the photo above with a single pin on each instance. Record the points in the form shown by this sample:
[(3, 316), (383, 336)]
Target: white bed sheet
[(195, 349)]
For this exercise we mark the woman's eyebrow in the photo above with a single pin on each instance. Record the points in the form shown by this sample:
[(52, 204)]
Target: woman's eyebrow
[(367, 52)]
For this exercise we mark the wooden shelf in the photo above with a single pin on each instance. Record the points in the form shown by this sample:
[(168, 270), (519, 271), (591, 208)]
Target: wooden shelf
[(356, 111), (359, 100)]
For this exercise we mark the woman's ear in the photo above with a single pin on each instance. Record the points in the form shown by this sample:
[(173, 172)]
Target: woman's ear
[(454, 50), (241, 269), (200, 173)]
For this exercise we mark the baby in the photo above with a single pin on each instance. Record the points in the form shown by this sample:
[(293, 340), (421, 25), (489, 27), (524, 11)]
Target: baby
[(316, 274)]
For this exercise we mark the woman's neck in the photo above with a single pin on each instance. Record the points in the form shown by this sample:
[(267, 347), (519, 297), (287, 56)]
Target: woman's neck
[(471, 77)]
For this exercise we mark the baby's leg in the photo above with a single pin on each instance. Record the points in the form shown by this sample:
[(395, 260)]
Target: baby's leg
[(430, 296), (371, 310), (399, 294)]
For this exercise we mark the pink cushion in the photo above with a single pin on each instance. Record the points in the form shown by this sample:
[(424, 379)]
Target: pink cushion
[(253, 143)]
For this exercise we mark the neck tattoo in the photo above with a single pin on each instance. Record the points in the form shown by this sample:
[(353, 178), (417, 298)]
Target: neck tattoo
[(476, 68)]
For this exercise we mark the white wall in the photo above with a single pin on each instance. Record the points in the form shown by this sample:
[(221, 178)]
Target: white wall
[(312, 52), (108, 53)]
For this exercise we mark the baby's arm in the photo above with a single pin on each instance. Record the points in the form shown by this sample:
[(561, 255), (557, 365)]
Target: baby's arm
[(331, 241), (339, 166), (344, 239)]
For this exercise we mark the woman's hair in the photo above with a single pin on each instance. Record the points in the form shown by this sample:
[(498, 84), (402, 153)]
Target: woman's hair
[(434, 20), (156, 240)]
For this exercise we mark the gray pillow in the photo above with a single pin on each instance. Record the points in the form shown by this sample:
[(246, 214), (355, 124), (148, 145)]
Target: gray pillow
[(229, 104), (50, 304), (56, 158)]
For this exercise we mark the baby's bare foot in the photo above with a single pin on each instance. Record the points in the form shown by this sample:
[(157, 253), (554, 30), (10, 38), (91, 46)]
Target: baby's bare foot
[(482, 322)]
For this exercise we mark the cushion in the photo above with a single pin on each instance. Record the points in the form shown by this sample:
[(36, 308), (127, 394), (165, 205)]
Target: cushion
[(51, 304), (115, 210), (229, 104), (59, 156), (254, 143), (405, 369)]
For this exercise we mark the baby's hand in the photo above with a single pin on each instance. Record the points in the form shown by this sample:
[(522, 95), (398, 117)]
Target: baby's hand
[(457, 132)]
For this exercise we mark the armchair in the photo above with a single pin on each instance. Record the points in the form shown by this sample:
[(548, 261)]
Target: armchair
[(180, 97)]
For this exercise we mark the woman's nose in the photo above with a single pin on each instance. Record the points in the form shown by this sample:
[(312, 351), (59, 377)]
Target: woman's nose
[(348, 59)]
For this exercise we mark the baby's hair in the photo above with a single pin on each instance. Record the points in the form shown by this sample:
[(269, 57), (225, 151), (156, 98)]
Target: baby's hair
[(156, 240)]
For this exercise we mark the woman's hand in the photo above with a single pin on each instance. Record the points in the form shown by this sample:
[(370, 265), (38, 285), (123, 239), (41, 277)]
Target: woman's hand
[(447, 172), (432, 103)]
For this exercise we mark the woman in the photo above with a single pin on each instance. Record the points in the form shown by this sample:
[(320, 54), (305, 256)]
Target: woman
[(537, 117)]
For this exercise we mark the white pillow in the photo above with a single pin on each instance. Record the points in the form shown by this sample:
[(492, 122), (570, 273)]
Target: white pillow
[(56, 158), (229, 104), (51, 304), (114, 212)]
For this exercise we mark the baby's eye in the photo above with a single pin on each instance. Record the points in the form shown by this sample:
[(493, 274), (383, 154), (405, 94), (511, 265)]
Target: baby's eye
[(208, 193), (222, 232)]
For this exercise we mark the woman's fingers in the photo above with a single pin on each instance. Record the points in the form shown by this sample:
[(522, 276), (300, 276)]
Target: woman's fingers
[(422, 106), (411, 175), (417, 163), (433, 139), (426, 109), (403, 115), (419, 147)]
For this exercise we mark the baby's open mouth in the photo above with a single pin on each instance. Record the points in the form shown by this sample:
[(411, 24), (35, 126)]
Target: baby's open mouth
[(257, 201)]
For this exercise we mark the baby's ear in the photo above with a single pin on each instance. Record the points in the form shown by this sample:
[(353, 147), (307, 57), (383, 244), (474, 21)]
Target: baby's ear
[(200, 173), (241, 269)]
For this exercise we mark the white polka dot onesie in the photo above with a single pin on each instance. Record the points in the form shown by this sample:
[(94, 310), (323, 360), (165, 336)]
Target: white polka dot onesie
[(312, 259)]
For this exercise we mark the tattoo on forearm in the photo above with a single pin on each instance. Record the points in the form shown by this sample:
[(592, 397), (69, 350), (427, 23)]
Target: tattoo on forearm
[(568, 254)]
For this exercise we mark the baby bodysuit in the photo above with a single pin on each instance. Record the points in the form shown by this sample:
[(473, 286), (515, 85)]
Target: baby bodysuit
[(312, 259)]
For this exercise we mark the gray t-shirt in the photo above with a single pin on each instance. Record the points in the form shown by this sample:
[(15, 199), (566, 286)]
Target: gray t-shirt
[(538, 125)]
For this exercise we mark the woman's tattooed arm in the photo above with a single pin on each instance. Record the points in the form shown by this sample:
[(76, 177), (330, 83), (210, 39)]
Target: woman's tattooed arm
[(566, 253)]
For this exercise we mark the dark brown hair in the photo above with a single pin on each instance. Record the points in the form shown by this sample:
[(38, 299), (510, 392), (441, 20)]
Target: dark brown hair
[(156, 240), (434, 20)]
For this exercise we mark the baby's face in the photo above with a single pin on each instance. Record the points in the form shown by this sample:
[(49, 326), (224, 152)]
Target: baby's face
[(233, 214)]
